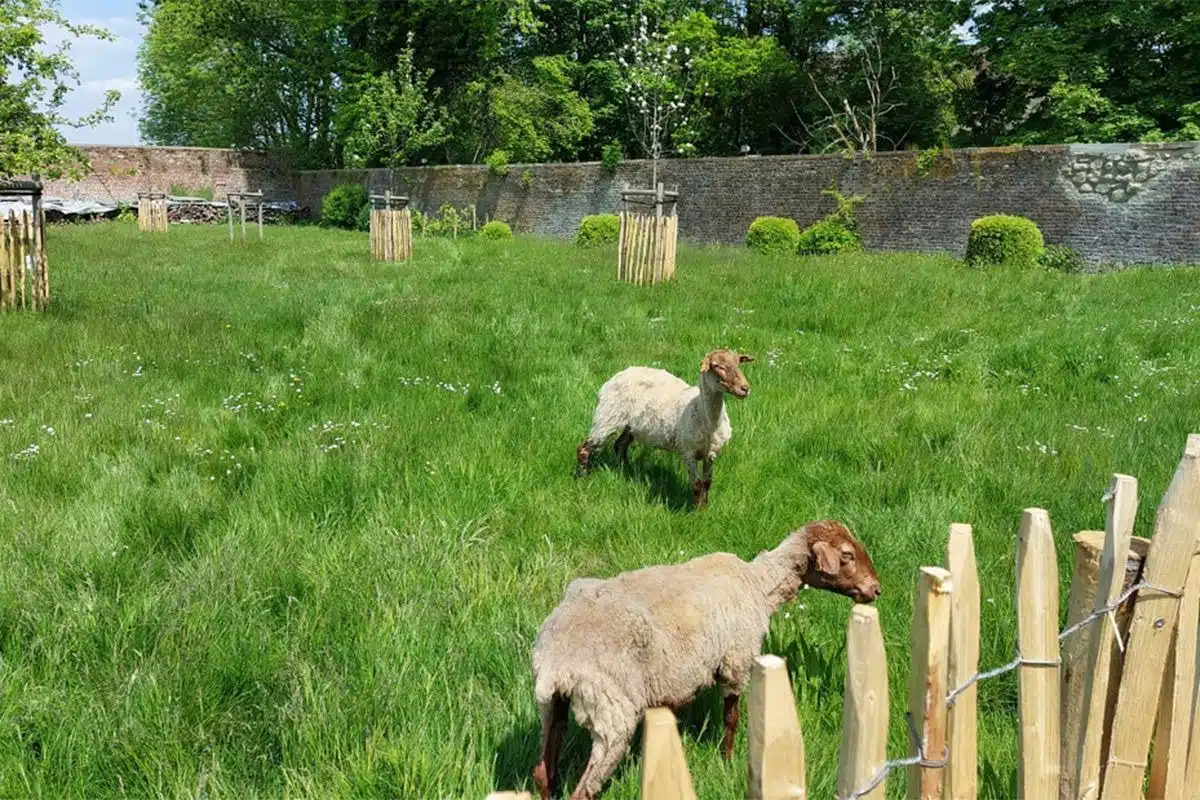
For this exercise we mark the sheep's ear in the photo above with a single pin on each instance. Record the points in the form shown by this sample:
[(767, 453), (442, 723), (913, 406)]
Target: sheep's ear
[(745, 359), (827, 558)]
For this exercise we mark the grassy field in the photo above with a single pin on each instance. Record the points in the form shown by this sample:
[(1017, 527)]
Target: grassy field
[(279, 521)]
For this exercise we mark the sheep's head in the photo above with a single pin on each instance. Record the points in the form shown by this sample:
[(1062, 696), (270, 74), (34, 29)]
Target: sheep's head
[(839, 563), (725, 368)]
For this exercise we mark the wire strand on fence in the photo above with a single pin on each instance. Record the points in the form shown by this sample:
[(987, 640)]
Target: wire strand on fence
[(921, 760)]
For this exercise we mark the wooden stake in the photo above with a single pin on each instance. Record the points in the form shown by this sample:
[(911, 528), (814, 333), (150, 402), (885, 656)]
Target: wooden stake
[(864, 706), (1037, 641), (621, 249), (775, 742), (962, 780), (927, 679), (665, 773), (1169, 768), (1122, 502), (229, 208), (1154, 616), (22, 254)]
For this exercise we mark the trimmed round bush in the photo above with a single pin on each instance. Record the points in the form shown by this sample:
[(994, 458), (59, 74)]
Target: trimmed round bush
[(773, 236), (828, 237), (1002, 239), (598, 229), (342, 206), (496, 230)]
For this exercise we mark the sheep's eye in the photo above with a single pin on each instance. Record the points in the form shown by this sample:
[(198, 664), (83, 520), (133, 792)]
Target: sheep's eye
[(847, 558)]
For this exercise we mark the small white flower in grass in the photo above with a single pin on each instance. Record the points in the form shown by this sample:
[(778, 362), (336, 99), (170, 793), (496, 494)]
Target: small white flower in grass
[(6, 421), (89, 415), (48, 430), (24, 455)]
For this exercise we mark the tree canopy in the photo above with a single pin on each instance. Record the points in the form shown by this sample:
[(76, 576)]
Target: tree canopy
[(34, 82), (391, 82)]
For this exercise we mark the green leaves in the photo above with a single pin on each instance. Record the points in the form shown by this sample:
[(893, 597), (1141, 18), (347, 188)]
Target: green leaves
[(34, 82)]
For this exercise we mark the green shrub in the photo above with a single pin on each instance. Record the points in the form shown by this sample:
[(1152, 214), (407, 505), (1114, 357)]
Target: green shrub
[(126, 213), (611, 157), (1002, 239), (496, 230), (827, 237), (450, 221), (1061, 258), (527, 180), (341, 207), (773, 236), (598, 229), (364, 218), (497, 163)]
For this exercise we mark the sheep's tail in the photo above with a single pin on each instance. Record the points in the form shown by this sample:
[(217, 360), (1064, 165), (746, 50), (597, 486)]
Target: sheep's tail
[(550, 686)]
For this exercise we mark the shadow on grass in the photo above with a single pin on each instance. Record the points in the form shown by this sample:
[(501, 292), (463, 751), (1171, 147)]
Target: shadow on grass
[(664, 484), (700, 721)]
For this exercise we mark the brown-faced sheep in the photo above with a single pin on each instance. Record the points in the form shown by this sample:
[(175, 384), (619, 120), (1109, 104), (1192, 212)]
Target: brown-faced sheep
[(654, 407), (655, 636)]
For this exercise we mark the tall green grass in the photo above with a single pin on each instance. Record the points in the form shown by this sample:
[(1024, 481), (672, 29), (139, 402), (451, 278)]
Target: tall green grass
[(294, 517)]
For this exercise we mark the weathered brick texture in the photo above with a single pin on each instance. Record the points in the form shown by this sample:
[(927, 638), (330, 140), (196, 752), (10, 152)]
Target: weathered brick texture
[(119, 173), (1120, 204)]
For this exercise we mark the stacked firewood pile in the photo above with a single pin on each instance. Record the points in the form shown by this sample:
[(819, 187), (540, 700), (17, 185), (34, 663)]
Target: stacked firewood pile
[(201, 212)]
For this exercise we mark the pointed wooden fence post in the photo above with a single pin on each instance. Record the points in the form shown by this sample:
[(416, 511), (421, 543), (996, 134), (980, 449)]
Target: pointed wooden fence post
[(774, 740), (647, 244), (665, 773), (1037, 641), (864, 707), (1122, 502), (1152, 629), (1169, 768), (962, 780), (928, 672)]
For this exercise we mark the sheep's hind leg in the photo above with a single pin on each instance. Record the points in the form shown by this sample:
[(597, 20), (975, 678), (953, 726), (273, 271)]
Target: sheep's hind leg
[(554, 728), (607, 752), (732, 718), (621, 446)]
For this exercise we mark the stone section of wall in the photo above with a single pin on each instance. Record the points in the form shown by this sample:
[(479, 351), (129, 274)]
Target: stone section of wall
[(119, 173), (1118, 204)]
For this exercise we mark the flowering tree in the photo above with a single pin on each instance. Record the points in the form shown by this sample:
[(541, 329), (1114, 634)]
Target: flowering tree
[(657, 78)]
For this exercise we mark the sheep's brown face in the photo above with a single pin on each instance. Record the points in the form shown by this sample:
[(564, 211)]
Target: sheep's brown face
[(726, 367), (840, 563)]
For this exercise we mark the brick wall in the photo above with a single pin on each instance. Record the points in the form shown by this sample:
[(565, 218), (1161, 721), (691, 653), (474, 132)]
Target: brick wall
[(1122, 204), (119, 173)]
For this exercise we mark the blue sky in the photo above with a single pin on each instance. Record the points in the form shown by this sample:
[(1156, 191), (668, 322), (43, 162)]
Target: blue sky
[(103, 66)]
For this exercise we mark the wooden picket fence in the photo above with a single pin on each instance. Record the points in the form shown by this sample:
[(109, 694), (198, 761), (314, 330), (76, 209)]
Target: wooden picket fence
[(391, 227), (152, 212), (1089, 696), (648, 238), (24, 268)]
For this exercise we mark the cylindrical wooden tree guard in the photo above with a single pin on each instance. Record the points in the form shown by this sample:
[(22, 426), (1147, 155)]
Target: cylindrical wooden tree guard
[(649, 232), (152, 212), (391, 227), (244, 199), (24, 270)]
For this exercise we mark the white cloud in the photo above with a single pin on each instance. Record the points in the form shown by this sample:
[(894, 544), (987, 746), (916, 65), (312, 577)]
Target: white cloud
[(102, 66)]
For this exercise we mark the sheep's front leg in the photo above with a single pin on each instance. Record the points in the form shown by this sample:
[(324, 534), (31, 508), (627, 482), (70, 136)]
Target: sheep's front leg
[(699, 496), (732, 718), (706, 476)]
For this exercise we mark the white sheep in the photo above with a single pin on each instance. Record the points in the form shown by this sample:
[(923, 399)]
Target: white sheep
[(656, 636), (654, 407)]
